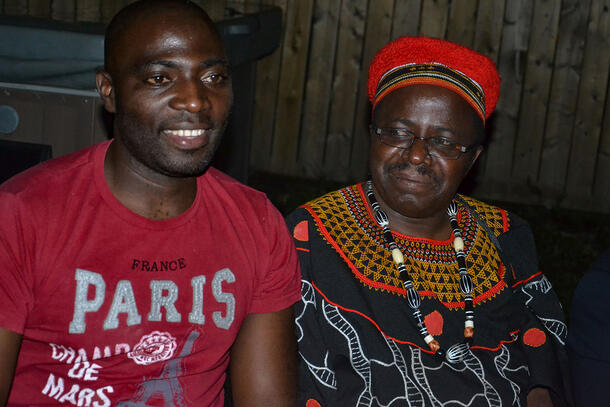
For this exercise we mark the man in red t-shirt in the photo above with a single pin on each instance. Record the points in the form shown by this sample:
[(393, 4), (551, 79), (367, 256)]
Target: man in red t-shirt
[(132, 273)]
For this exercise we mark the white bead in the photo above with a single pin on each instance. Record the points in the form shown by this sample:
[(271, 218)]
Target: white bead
[(458, 244), (397, 256), (428, 338), (469, 324)]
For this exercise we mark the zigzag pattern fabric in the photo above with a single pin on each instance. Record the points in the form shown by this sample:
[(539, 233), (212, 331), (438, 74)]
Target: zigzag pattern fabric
[(432, 264)]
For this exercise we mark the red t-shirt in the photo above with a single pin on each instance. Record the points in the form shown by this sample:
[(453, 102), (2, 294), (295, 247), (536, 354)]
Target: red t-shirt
[(119, 310)]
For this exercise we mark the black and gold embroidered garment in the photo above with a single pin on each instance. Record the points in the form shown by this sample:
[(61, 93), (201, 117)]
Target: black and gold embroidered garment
[(358, 342)]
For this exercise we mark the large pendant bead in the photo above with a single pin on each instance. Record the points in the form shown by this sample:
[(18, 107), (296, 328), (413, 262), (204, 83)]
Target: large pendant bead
[(458, 351), (413, 298), (381, 218), (465, 283), (458, 244), (434, 345), (397, 256), (452, 210)]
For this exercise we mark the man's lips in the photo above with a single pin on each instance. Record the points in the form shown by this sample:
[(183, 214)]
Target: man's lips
[(185, 132), (416, 175), (188, 139), (407, 178)]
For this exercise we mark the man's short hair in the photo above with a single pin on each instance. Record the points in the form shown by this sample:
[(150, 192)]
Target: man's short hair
[(130, 14)]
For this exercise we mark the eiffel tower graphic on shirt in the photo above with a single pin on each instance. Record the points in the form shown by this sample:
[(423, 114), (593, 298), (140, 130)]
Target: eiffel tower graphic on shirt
[(166, 387)]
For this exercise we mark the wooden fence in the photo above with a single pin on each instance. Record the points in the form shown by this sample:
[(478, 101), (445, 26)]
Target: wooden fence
[(549, 140)]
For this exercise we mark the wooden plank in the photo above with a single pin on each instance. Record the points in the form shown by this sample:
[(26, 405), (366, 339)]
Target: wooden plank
[(214, 8), (601, 191), (462, 18), (110, 8), (377, 35), (16, 7), (64, 10), (39, 8), (487, 40), (562, 101), (265, 102), (291, 86), (589, 116), (88, 10), (318, 87), (434, 15), (536, 88), (488, 34), (251, 6), (406, 18), (503, 124), (345, 84)]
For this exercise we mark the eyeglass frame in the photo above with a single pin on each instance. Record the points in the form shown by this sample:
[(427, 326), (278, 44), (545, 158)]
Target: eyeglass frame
[(460, 148)]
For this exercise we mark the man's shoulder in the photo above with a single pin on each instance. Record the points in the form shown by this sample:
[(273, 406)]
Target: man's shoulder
[(225, 187), (498, 219), (331, 202), (334, 198)]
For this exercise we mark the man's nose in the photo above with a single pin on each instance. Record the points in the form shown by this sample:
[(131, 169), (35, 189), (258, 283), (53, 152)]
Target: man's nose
[(191, 96), (418, 152)]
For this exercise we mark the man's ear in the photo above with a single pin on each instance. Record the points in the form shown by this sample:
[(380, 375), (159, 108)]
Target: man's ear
[(105, 88)]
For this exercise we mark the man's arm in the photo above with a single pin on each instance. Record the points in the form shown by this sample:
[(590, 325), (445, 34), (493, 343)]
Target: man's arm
[(264, 360), (10, 343)]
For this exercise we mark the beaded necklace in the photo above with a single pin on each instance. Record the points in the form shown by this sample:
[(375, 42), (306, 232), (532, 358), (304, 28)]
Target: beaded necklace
[(457, 351)]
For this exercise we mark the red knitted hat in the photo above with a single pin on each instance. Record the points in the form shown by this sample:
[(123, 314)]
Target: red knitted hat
[(421, 60)]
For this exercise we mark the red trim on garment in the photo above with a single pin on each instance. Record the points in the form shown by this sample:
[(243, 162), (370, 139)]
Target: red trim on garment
[(340, 252), (527, 279), (476, 300), (303, 249), (504, 220), (501, 271), (502, 342)]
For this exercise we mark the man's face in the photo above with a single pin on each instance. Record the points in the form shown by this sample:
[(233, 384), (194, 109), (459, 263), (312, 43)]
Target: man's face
[(412, 182), (170, 91)]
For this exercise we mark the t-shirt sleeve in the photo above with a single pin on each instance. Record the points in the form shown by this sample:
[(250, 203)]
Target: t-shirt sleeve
[(15, 277), (280, 285)]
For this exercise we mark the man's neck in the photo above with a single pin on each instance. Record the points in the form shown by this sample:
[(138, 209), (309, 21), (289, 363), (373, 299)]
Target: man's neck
[(146, 193), (435, 227)]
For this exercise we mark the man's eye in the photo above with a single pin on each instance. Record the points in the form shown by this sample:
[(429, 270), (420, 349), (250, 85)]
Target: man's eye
[(157, 80), (441, 142), (399, 133), (214, 79)]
